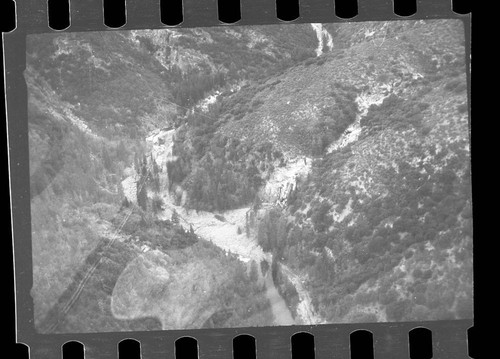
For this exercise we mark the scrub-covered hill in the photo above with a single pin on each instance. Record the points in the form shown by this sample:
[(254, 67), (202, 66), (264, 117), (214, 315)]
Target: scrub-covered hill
[(382, 226), (124, 82), (367, 148), (94, 98), (250, 176)]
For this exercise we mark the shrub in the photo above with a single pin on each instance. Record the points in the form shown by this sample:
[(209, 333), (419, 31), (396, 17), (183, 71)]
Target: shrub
[(147, 44), (321, 60), (157, 204), (417, 273), (309, 62), (456, 85), (364, 298), (388, 297), (363, 318), (462, 108), (418, 313), (256, 103), (420, 299), (408, 253), (349, 234), (427, 275), (396, 311), (464, 308), (320, 217), (378, 245), (425, 130), (104, 211)]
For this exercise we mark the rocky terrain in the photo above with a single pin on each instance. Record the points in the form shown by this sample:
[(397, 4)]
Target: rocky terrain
[(244, 176)]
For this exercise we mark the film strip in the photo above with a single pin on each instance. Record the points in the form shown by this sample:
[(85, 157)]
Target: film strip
[(390, 338)]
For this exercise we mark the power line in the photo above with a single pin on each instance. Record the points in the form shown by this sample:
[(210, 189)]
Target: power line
[(89, 273), (115, 235)]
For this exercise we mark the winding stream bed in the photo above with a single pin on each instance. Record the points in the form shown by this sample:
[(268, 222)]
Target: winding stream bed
[(224, 233)]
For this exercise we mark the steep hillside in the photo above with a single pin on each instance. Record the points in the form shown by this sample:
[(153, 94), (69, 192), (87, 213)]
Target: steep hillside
[(296, 107), (264, 175), (129, 82), (93, 99), (382, 226), (100, 77), (135, 288), (386, 207)]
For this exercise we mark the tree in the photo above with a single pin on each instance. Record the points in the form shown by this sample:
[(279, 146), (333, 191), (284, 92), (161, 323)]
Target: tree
[(264, 266), (254, 272), (121, 151), (322, 267), (396, 311), (320, 217), (157, 204), (155, 176), (147, 44), (137, 163), (141, 169), (274, 268), (378, 245), (125, 203), (247, 225), (144, 166), (142, 196), (175, 217), (292, 196), (262, 236), (106, 159)]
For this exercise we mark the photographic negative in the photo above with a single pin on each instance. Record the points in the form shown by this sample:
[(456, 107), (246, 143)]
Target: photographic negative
[(248, 176)]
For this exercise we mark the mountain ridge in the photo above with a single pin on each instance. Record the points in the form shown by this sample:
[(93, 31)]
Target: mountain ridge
[(351, 165)]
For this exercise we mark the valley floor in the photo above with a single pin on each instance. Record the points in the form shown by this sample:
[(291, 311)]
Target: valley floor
[(227, 230)]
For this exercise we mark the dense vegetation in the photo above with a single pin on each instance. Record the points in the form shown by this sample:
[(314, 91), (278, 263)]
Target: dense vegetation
[(398, 227), (70, 190), (273, 49), (421, 210), (218, 173), (240, 301), (92, 99), (237, 169), (395, 113), (94, 74), (92, 309), (335, 118), (379, 229), (59, 169)]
